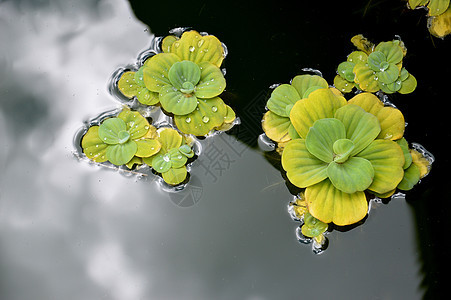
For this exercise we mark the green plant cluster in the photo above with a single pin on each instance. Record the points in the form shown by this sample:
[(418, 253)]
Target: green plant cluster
[(375, 67), (184, 81)]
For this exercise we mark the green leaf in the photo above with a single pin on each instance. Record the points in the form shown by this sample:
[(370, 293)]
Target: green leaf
[(167, 42), (322, 136), (361, 127), (357, 56), (284, 95), (342, 84), (329, 204), (177, 158), (175, 176), (276, 127), (147, 147), (120, 154), (127, 84), (156, 73), (186, 150), (408, 85), (209, 114), (147, 97), (161, 162), (303, 169), (377, 61), (212, 82), (388, 75), (354, 175), (345, 70), (182, 72), (437, 7), (176, 102), (319, 105), (342, 149), (139, 76), (392, 51), (411, 177), (366, 78), (135, 123), (387, 159), (197, 48), (169, 138), (110, 129), (303, 82), (312, 226), (93, 147), (406, 151)]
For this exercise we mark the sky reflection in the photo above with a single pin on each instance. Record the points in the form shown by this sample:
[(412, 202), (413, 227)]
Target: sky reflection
[(72, 230)]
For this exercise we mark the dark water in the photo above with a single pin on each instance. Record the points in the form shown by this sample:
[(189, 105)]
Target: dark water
[(72, 230)]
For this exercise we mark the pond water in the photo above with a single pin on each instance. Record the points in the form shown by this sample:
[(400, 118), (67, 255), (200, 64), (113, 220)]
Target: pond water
[(72, 230)]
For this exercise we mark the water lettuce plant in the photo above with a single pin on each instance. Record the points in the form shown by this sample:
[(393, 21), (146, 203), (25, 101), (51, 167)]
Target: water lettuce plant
[(439, 15), (186, 81), (375, 67), (341, 153)]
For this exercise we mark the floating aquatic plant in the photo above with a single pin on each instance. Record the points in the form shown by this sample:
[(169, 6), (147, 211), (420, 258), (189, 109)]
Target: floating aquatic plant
[(375, 67), (186, 81), (439, 15), (341, 153), (183, 80)]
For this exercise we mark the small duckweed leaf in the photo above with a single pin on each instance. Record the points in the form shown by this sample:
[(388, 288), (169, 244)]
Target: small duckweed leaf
[(361, 127), (175, 176), (392, 51), (208, 115), (139, 76), (276, 127), (329, 204), (177, 158), (322, 136), (357, 56), (186, 150), (93, 147), (303, 169), (169, 138), (345, 70), (282, 96), (320, 104), (389, 75), (312, 226), (161, 163), (157, 68), (410, 84), (197, 48), (176, 102), (303, 82), (136, 124), (405, 149), (342, 84), (437, 7), (167, 42), (212, 82), (184, 71), (110, 129), (147, 147), (120, 154), (127, 84), (440, 26), (411, 177), (387, 160), (365, 78), (354, 175)]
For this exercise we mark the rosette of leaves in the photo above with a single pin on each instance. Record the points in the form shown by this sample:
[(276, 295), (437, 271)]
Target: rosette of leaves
[(276, 121), (170, 161), (344, 149), (186, 81), (125, 139), (375, 68)]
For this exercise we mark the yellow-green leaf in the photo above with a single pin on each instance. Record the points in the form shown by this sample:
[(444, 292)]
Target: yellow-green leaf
[(175, 176), (329, 204), (155, 74), (276, 127), (93, 146), (147, 147), (302, 83)]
